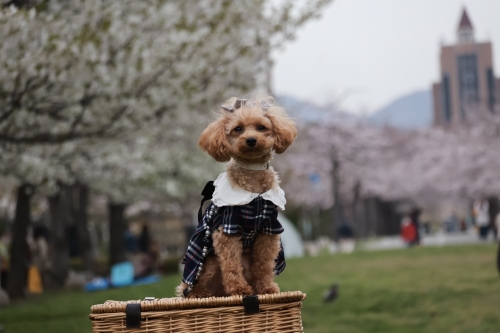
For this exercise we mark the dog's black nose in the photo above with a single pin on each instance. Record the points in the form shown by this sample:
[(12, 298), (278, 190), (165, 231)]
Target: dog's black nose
[(251, 142)]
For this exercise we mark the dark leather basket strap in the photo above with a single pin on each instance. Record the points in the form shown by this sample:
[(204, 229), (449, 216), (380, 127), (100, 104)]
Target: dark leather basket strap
[(251, 304), (133, 315)]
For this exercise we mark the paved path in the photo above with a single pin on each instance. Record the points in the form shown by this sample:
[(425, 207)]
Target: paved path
[(438, 239)]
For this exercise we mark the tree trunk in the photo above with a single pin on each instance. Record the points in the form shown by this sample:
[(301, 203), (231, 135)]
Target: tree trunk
[(19, 251), (117, 228), (373, 222), (60, 212), (80, 204), (498, 258), (337, 209), (355, 207)]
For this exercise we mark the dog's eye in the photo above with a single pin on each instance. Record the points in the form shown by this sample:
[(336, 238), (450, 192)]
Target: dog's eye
[(238, 129), (261, 128)]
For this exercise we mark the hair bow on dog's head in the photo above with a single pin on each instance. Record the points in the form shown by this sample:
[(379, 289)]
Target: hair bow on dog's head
[(234, 104)]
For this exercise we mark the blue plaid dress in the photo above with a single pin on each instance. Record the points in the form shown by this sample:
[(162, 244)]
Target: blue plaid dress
[(247, 221)]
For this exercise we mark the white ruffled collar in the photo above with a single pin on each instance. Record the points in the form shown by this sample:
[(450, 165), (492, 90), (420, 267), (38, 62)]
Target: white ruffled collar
[(227, 195)]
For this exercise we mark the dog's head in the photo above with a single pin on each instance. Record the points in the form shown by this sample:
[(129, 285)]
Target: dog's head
[(248, 131)]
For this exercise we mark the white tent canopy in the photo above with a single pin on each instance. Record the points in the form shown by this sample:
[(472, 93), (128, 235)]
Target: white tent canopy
[(292, 242)]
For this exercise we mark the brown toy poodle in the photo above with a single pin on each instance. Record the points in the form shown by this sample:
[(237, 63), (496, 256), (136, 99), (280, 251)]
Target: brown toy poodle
[(236, 249)]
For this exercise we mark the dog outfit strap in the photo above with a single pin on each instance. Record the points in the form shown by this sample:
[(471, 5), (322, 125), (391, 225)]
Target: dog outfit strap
[(207, 193)]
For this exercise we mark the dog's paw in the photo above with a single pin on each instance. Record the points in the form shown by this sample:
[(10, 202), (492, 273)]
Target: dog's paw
[(267, 289), (239, 290), (179, 290), (199, 294)]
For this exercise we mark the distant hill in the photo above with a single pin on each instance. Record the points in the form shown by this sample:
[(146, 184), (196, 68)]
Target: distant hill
[(411, 111), (311, 113)]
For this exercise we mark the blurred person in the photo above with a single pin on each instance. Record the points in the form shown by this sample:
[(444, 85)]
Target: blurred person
[(414, 216), (346, 238), (144, 261), (447, 225), (154, 253), (455, 223), (4, 259), (497, 225), (131, 242), (144, 240), (494, 226), (482, 217), (427, 227), (470, 219), (143, 265), (39, 256), (463, 225), (451, 224), (408, 232)]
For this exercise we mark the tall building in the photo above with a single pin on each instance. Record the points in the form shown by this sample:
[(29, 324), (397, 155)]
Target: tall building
[(467, 79)]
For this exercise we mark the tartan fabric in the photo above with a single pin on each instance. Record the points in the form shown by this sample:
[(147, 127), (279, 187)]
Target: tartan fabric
[(247, 221)]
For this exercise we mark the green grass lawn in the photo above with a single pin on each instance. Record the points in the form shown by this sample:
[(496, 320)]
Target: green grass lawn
[(449, 289)]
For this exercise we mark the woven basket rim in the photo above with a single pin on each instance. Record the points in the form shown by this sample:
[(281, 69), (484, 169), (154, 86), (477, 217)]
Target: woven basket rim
[(178, 303)]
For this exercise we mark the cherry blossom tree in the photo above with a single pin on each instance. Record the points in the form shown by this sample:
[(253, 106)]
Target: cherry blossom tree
[(112, 93), (332, 166)]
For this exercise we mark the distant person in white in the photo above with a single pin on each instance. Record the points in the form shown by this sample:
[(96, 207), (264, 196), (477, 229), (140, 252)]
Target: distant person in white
[(482, 214), (497, 224)]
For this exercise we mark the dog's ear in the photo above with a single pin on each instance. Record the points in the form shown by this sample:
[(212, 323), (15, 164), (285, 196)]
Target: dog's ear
[(284, 129), (213, 140), (266, 103)]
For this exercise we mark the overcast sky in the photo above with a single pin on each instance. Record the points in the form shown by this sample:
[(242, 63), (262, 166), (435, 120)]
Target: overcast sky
[(371, 52)]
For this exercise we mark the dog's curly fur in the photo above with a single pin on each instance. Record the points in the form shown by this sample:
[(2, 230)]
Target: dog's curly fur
[(234, 271)]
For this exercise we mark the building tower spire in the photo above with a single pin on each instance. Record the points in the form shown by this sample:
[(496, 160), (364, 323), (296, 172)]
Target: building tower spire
[(465, 31)]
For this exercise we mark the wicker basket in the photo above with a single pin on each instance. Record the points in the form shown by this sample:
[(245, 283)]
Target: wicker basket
[(262, 313)]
